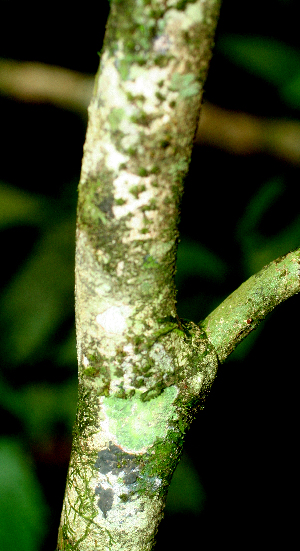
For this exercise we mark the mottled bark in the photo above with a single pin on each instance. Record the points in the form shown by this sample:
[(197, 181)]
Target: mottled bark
[(142, 372)]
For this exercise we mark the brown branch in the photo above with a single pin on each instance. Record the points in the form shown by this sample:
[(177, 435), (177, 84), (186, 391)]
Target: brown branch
[(40, 83), (244, 134), (237, 133)]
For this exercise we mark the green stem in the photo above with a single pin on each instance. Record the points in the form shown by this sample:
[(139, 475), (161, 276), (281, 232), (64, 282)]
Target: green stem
[(245, 308)]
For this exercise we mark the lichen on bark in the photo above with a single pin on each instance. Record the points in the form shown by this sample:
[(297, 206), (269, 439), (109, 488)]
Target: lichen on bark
[(125, 450)]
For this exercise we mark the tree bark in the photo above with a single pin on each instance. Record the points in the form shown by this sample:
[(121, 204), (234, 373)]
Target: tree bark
[(142, 372)]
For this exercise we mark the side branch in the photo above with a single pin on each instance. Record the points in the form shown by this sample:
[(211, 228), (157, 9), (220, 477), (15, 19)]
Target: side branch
[(245, 308)]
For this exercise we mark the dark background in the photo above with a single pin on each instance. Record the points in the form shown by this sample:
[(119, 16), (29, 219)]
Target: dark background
[(237, 484)]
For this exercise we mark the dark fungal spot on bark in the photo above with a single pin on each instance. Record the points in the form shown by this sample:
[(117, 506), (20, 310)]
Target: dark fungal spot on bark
[(106, 499), (121, 464), (106, 206), (114, 460)]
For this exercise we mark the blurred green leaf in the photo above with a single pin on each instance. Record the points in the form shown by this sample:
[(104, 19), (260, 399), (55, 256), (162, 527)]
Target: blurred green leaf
[(40, 407), (40, 296), (261, 252), (44, 406), (19, 207), (186, 493), (66, 353), (290, 92), (257, 249), (267, 58), (258, 205), (193, 259), (22, 505)]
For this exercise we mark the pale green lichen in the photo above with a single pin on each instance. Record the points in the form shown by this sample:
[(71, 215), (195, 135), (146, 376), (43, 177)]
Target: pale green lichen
[(115, 117), (178, 170), (144, 421), (186, 85)]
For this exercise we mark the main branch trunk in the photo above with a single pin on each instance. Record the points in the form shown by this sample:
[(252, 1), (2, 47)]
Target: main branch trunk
[(140, 374)]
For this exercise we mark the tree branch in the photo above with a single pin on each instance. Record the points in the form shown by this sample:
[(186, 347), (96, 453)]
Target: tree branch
[(236, 132), (30, 81), (140, 375), (245, 308), (244, 134)]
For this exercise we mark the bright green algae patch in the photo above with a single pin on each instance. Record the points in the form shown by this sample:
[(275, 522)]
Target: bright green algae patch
[(136, 424)]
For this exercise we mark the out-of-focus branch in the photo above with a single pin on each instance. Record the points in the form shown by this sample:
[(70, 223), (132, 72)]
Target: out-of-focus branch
[(237, 133), (244, 134), (41, 83)]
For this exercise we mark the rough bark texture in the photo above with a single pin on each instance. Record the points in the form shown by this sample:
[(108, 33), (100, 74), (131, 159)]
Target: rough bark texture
[(141, 372)]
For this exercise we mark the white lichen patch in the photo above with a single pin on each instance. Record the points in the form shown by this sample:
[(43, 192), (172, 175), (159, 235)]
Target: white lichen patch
[(175, 23), (135, 192), (125, 185), (159, 355), (120, 268), (113, 157), (85, 361), (132, 515), (114, 319), (108, 86), (162, 44), (126, 382), (144, 82), (103, 257), (103, 290), (136, 226), (118, 111), (196, 382)]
